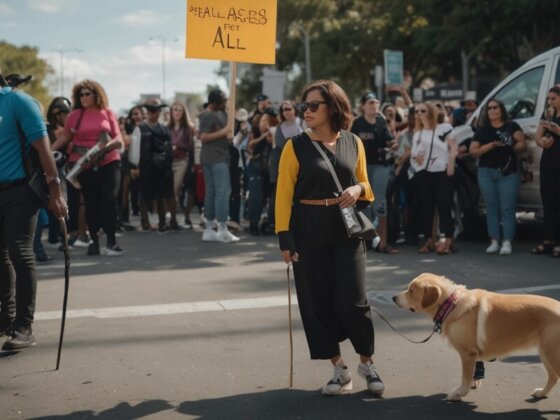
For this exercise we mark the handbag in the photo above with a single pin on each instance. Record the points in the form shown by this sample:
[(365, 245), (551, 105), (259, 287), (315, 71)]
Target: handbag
[(33, 171), (510, 166), (357, 224)]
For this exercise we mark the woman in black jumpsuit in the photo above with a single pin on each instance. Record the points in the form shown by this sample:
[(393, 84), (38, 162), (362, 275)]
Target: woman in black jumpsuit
[(329, 267)]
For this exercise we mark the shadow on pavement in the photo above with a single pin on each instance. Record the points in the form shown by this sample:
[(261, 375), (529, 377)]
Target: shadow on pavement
[(121, 411), (298, 404)]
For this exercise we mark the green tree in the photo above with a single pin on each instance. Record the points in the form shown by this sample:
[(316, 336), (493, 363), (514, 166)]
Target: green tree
[(24, 60)]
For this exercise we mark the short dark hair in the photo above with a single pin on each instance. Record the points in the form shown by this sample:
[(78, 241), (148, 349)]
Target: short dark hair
[(340, 111), (216, 96)]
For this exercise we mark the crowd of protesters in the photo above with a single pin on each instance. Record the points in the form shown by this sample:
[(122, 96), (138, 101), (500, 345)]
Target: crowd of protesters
[(168, 166)]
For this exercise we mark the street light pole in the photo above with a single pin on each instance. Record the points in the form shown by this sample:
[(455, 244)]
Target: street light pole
[(162, 39), (61, 51), (306, 43)]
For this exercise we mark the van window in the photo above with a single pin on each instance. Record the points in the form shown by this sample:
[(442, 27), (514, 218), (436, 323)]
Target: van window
[(521, 94), (557, 77)]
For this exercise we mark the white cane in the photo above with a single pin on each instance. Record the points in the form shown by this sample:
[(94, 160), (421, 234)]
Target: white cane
[(290, 326)]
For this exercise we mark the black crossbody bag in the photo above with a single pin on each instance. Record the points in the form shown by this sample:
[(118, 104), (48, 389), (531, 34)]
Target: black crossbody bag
[(357, 224)]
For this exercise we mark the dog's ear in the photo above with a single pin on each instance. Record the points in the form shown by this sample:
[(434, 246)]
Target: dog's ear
[(431, 296)]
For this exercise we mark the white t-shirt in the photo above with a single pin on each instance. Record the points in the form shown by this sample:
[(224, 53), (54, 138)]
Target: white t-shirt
[(436, 156)]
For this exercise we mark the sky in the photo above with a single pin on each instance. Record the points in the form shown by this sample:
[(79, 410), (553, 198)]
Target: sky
[(115, 42)]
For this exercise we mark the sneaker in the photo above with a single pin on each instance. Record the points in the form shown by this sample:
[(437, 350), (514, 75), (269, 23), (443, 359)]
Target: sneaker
[(225, 235), (6, 327), (340, 382), (42, 257), (177, 228), (21, 338), (113, 251), (479, 371), (374, 382), (81, 243), (162, 230), (93, 248), (493, 248), (506, 248), (127, 227), (188, 224), (210, 235)]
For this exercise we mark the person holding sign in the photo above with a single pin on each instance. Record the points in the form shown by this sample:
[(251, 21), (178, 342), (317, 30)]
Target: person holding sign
[(329, 266), (215, 135)]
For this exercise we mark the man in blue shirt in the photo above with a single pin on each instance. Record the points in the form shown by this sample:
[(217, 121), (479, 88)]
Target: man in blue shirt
[(18, 212)]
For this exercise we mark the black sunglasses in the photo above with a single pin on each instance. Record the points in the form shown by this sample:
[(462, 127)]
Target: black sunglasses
[(421, 111), (313, 106), (493, 107), (85, 94), (287, 109)]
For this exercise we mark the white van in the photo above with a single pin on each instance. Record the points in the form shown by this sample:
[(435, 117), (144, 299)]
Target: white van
[(524, 94)]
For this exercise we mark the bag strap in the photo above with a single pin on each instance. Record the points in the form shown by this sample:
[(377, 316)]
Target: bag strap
[(22, 141), (328, 162), (79, 120)]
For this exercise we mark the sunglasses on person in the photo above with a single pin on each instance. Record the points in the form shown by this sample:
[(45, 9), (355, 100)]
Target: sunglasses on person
[(85, 94), (493, 107), (421, 111), (287, 109), (313, 106)]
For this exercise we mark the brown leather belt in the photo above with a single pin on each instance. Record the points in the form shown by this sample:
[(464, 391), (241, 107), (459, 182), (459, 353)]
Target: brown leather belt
[(323, 202)]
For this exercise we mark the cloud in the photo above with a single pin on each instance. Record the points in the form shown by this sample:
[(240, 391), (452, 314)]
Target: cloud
[(6, 9), (48, 6), (141, 17), (135, 71)]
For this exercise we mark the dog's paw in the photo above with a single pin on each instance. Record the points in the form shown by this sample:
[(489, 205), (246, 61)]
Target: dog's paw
[(476, 384), (538, 393)]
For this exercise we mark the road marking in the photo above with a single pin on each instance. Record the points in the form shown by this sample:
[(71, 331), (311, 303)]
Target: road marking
[(171, 308), (381, 296)]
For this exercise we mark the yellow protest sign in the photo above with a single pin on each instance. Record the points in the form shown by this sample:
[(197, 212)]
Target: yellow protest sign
[(232, 30)]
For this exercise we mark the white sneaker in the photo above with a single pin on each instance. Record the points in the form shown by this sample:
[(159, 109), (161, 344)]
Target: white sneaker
[(493, 248), (209, 235), (506, 248), (80, 244), (225, 235), (340, 382), (374, 382), (114, 251)]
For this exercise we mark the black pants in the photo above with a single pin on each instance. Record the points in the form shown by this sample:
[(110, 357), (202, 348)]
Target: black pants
[(100, 189), (235, 196), (330, 285), (18, 280), (550, 195), (435, 190)]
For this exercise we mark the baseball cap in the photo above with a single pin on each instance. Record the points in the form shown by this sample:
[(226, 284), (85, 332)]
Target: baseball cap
[(368, 97), (262, 97)]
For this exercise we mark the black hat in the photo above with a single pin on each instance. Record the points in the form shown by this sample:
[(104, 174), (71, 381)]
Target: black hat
[(216, 96), (270, 111), (261, 97), (368, 97)]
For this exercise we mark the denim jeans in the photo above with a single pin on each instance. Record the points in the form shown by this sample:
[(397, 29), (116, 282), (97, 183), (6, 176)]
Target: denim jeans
[(500, 195), (218, 190), (378, 176)]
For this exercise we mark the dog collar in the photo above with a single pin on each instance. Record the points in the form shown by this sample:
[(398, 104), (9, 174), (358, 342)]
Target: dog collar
[(443, 312)]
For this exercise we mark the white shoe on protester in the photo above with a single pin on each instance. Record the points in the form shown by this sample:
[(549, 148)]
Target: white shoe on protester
[(341, 381), (374, 382), (210, 235), (493, 248), (225, 235), (506, 248)]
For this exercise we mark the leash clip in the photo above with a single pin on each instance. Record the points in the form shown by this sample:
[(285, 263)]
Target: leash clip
[(437, 327)]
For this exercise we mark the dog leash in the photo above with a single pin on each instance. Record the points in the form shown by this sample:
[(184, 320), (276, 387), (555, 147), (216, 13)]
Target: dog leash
[(64, 233), (437, 327)]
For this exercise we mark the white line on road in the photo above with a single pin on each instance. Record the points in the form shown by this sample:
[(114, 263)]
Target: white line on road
[(171, 308), (381, 296)]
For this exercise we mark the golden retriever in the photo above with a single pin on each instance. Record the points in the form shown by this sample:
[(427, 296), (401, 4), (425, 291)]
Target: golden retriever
[(485, 325)]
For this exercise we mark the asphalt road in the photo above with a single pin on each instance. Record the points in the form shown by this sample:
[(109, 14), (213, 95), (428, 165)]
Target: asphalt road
[(178, 328)]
